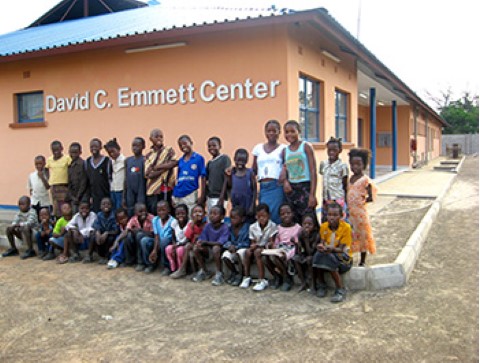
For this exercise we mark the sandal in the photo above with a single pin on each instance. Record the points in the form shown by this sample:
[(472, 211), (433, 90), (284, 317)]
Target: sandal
[(62, 259)]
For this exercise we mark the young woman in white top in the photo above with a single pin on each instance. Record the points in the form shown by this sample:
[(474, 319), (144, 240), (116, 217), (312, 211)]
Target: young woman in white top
[(267, 165)]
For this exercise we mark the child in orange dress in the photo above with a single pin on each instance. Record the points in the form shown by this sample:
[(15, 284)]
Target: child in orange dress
[(360, 191)]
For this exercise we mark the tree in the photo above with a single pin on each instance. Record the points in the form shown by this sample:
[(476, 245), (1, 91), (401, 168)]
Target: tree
[(461, 114)]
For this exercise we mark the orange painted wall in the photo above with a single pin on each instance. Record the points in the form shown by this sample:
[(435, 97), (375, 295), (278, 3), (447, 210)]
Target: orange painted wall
[(226, 57)]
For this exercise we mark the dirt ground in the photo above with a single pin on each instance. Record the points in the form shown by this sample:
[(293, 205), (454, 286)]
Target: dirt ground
[(84, 313)]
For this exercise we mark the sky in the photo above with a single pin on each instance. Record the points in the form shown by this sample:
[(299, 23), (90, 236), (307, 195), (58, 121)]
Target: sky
[(430, 45)]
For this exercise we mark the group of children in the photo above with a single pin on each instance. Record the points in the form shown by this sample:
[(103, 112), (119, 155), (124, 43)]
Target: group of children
[(155, 210)]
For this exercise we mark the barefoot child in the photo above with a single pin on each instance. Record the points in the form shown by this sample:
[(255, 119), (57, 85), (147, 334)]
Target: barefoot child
[(134, 189), (118, 173), (237, 245), (333, 253), (22, 227), (283, 249), (261, 233), (44, 233), (193, 231), (213, 238), (176, 250), (59, 231), (57, 166), (300, 185), (307, 246), (99, 173), (335, 177), (77, 177), (38, 186), (117, 256), (162, 230), (216, 172), (360, 191)]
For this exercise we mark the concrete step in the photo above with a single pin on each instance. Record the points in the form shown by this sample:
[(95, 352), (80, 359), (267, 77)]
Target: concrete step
[(450, 162), (444, 168)]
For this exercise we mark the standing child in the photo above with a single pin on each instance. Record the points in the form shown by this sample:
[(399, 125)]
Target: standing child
[(176, 250), (216, 172), (283, 249), (333, 253), (57, 166), (106, 231), (134, 189), (79, 233), (118, 173), (140, 226), (38, 186), (193, 231), (300, 186), (117, 250), (159, 164), (44, 232), (261, 233), (213, 237), (22, 227), (267, 165), (77, 177), (162, 231), (237, 245), (59, 231), (307, 246), (191, 175), (243, 185), (99, 173), (335, 177), (360, 191)]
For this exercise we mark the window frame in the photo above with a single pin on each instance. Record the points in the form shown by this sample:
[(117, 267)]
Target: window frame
[(339, 117), (18, 102), (307, 111)]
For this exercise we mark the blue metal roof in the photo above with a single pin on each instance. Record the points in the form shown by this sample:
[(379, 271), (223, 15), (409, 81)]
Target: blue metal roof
[(121, 24)]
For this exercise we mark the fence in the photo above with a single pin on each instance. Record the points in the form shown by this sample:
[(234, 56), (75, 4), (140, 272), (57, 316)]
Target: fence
[(468, 143)]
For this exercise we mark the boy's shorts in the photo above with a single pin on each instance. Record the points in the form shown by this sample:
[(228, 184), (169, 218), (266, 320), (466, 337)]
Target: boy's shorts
[(233, 257), (57, 241)]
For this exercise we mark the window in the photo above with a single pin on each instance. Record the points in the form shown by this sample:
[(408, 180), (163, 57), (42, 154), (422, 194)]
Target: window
[(30, 107), (309, 99), (384, 139), (341, 102)]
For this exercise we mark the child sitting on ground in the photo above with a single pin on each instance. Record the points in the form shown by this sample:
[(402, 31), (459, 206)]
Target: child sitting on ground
[(22, 227), (38, 186), (162, 231), (333, 253), (59, 231), (193, 231), (175, 251), (213, 237), (140, 226), (117, 250), (260, 233), (79, 233), (44, 232), (283, 249), (237, 245), (106, 230)]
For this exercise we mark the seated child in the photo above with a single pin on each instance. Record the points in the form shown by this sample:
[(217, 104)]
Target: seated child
[(79, 233), (139, 226), (333, 253), (283, 249), (117, 252), (22, 227), (106, 230), (237, 245), (307, 246), (175, 251), (261, 233), (44, 233), (213, 237), (162, 231), (193, 231), (59, 231)]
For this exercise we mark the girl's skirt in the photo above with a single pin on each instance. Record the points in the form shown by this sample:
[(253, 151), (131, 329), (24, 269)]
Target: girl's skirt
[(271, 194)]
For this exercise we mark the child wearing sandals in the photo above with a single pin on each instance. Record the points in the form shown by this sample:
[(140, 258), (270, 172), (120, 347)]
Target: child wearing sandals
[(117, 256), (59, 231), (193, 231), (213, 238), (237, 245), (282, 250), (334, 253), (261, 233), (176, 250)]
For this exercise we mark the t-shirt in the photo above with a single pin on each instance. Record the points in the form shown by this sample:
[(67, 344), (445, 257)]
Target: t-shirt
[(58, 169), (193, 230), (61, 223), (105, 223), (188, 174), (133, 223), (39, 192), (262, 236), (118, 174), (343, 235), (333, 175), (269, 165), (163, 230), (28, 218), (166, 179), (297, 164), (84, 226), (286, 234), (180, 236), (216, 175), (211, 234), (241, 240)]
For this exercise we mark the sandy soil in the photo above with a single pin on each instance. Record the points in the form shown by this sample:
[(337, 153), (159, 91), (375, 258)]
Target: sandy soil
[(62, 313)]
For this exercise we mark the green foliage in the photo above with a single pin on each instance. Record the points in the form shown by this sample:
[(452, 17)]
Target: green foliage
[(461, 114)]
